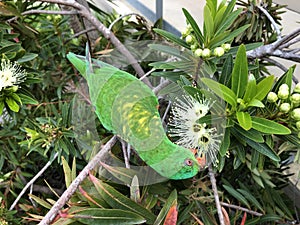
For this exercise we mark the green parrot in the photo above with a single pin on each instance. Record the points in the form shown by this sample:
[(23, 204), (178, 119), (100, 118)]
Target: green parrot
[(129, 108)]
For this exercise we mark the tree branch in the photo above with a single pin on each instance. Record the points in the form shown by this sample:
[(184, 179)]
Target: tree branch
[(106, 33), (74, 185), (32, 181), (271, 20), (241, 208), (215, 191)]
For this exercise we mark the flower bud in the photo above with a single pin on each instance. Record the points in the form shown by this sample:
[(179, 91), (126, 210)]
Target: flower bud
[(198, 52), (194, 47), (298, 125), (297, 88), (226, 47), (285, 107), (206, 53), (186, 32), (189, 39), (219, 51), (283, 87), (283, 93), (272, 97), (296, 114), (295, 98)]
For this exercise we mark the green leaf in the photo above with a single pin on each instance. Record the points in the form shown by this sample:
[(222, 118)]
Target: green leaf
[(27, 57), (260, 147), (263, 149), (27, 99), (194, 25), (171, 37), (134, 190), (169, 50), (221, 90), (244, 120), (269, 218), (172, 199), (225, 77), (98, 216), (256, 103), (13, 106), (208, 24), (239, 77), (250, 89), (269, 126), (67, 172), (237, 195), (228, 21), (228, 38), (252, 134), (264, 87), (1, 107), (118, 201), (286, 78), (225, 143), (10, 48), (251, 198), (40, 201)]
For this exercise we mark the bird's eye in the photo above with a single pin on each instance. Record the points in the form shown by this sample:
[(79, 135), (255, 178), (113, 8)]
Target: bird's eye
[(188, 162)]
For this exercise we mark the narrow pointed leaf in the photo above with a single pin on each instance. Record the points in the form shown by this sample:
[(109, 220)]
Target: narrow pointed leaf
[(98, 216), (118, 201), (194, 25), (164, 211), (269, 126), (264, 87), (240, 72), (171, 37), (237, 195), (221, 90), (244, 120)]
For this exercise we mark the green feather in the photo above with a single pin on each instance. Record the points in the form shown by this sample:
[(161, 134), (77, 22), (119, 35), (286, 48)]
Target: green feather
[(127, 107)]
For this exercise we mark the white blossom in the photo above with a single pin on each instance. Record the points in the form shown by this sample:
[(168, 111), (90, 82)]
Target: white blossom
[(190, 133), (11, 74)]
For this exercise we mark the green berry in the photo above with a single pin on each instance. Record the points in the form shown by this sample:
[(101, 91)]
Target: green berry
[(296, 114), (194, 47), (272, 97), (283, 93), (189, 39), (295, 98), (285, 107), (297, 88), (206, 53), (219, 51), (284, 87), (198, 52), (226, 47), (185, 32), (298, 125)]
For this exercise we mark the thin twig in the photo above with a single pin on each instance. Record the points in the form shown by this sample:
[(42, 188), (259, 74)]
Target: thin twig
[(125, 154), (74, 185), (81, 32), (162, 85), (106, 33), (216, 195), (241, 208), (40, 11), (276, 63), (276, 27), (32, 181), (288, 44)]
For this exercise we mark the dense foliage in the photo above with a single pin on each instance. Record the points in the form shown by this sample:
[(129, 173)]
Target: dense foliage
[(45, 117)]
